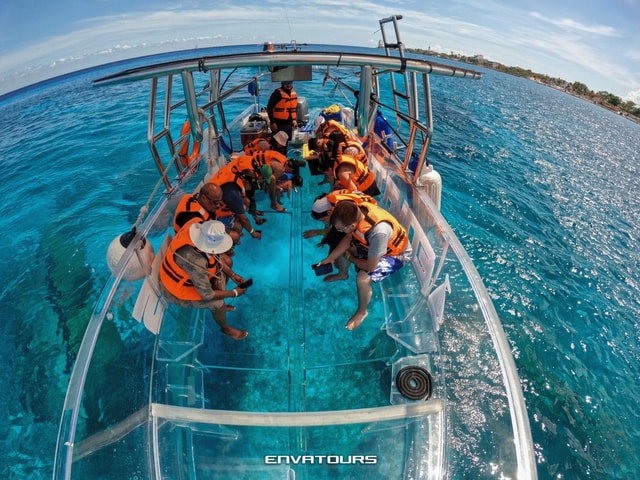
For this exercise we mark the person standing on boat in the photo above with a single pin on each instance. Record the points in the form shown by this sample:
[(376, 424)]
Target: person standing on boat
[(192, 273), (375, 242), (282, 109)]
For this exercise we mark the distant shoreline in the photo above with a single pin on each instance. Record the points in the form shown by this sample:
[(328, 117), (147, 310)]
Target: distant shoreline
[(606, 106), (605, 100)]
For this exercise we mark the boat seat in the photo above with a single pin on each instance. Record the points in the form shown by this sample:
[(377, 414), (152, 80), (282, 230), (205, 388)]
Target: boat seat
[(407, 293)]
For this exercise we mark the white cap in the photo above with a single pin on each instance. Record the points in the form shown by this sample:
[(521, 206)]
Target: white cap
[(321, 205)]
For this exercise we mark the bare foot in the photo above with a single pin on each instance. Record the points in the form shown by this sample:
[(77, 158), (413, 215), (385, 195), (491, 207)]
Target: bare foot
[(356, 320), (235, 333), (334, 277), (278, 208), (229, 308)]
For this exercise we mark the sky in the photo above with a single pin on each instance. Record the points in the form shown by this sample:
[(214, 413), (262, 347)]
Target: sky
[(594, 42)]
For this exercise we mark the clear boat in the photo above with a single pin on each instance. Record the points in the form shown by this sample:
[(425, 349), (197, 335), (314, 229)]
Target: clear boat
[(426, 388)]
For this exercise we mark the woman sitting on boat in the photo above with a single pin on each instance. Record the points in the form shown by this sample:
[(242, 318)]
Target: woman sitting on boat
[(338, 144), (193, 274), (374, 242), (278, 163)]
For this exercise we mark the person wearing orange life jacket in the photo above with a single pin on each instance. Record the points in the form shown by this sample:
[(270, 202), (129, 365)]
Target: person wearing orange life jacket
[(353, 175), (321, 210), (282, 109), (192, 273), (375, 242), (280, 165), (202, 206), (277, 141), (329, 135), (325, 129), (238, 180), (338, 144)]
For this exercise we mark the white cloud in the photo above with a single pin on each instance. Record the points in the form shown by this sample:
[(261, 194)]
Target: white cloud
[(569, 25), (558, 47), (633, 96)]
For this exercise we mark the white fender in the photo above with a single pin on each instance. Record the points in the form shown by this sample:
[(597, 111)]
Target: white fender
[(431, 181), (140, 263)]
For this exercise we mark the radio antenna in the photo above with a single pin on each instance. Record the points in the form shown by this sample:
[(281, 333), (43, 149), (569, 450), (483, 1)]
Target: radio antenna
[(288, 23)]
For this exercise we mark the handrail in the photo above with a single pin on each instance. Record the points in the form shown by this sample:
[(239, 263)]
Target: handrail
[(338, 58), (517, 407), (296, 419), (66, 434)]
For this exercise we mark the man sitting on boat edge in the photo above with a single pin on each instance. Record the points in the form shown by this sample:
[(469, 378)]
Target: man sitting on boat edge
[(375, 243), (201, 205), (193, 275)]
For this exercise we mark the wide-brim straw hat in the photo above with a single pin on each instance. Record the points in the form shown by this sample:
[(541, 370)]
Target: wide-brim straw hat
[(210, 237)]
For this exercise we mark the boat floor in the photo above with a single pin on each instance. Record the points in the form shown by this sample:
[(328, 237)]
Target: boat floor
[(298, 356)]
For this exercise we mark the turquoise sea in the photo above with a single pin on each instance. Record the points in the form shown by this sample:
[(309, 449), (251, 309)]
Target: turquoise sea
[(541, 187)]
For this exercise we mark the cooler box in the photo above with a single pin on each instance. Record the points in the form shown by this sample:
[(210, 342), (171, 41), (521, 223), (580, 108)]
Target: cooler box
[(252, 130)]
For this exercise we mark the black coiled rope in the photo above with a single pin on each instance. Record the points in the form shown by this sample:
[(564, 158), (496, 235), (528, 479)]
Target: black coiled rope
[(414, 383)]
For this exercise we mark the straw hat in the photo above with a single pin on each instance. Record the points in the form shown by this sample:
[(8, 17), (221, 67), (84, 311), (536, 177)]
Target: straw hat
[(210, 237), (281, 137)]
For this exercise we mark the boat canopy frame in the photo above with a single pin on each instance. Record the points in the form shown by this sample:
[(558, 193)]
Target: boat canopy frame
[(390, 60)]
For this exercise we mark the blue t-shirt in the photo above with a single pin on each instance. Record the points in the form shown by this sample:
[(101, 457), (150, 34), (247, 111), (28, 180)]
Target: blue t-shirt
[(232, 197)]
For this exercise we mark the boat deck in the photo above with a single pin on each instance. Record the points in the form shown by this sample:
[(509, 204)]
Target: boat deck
[(298, 356), (214, 393)]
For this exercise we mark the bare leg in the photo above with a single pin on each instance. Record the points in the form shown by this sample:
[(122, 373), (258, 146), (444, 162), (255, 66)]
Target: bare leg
[(235, 236), (220, 316), (236, 232), (363, 283), (273, 195), (343, 270)]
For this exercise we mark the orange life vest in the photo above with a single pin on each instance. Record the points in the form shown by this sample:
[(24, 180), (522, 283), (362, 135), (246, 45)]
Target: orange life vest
[(373, 214), (266, 156), (252, 147), (173, 276), (325, 129), (363, 178), (230, 173), (188, 204), (361, 155), (287, 106), (339, 195)]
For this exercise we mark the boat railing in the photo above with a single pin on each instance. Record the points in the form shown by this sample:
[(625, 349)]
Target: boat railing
[(434, 247)]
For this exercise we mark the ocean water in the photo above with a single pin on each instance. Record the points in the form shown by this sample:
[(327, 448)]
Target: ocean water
[(541, 188)]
